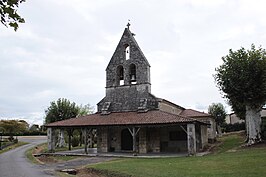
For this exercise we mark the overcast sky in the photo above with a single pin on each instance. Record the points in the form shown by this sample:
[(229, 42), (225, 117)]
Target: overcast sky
[(64, 47)]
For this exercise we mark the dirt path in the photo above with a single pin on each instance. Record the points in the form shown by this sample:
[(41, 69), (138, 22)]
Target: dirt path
[(76, 163)]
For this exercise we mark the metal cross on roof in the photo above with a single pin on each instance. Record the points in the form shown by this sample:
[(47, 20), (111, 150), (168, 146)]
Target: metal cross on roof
[(128, 24)]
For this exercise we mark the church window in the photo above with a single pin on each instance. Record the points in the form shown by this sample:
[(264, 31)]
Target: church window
[(120, 75), (132, 74), (127, 51)]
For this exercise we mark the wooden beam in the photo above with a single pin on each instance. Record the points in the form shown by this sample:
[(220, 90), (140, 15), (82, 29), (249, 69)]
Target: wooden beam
[(134, 133), (85, 132), (69, 132)]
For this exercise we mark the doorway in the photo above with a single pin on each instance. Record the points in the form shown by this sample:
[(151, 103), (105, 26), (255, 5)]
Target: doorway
[(126, 140)]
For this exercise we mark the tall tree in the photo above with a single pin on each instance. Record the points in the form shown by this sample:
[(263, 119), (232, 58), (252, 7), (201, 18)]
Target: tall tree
[(60, 110), (8, 13), (217, 110), (242, 79)]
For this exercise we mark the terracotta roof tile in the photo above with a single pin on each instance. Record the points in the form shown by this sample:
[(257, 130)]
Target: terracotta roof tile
[(124, 118), (194, 113)]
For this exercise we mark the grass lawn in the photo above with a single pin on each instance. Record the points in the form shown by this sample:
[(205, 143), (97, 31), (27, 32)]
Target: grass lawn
[(228, 160)]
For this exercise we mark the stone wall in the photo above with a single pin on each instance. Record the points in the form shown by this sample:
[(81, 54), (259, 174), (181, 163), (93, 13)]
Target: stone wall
[(191, 139), (153, 139), (204, 136), (211, 128), (127, 95), (143, 140), (115, 139), (51, 138), (169, 108), (102, 139), (127, 98), (119, 59), (168, 145)]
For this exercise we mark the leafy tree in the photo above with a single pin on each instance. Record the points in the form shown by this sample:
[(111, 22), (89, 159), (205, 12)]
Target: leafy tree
[(217, 110), (85, 110), (242, 79), (34, 128), (8, 13), (239, 109), (64, 109), (60, 110), (12, 127)]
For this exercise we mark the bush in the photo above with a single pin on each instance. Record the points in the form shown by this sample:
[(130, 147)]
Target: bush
[(15, 141), (75, 141), (234, 127)]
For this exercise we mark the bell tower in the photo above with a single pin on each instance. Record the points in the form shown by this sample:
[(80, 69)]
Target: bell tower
[(128, 85)]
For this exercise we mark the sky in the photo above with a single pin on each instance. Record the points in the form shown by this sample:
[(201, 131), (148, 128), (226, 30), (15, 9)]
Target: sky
[(64, 47)]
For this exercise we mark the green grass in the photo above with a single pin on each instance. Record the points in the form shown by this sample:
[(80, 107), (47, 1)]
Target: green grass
[(20, 143), (31, 157), (65, 158), (247, 162), (230, 142)]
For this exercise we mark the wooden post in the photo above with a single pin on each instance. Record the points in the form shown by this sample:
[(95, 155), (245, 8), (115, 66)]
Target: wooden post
[(85, 133), (134, 133), (134, 139), (69, 131), (61, 139), (85, 136)]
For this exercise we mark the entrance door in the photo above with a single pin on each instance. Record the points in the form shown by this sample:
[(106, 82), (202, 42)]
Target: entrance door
[(126, 140)]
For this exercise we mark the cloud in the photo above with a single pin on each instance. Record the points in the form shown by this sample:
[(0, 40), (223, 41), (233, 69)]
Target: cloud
[(64, 47)]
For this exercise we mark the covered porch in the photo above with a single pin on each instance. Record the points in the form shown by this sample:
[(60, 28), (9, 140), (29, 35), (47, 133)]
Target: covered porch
[(132, 132)]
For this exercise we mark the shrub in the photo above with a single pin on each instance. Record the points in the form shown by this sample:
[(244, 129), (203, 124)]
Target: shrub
[(75, 141), (15, 141), (234, 127)]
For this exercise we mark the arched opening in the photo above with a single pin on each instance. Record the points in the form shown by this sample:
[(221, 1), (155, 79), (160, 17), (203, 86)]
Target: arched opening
[(126, 140), (132, 74), (120, 75), (127, 51)]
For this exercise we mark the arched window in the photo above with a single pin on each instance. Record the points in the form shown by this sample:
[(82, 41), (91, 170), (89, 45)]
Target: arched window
[(132, 74), (120, 75), (127, 51)]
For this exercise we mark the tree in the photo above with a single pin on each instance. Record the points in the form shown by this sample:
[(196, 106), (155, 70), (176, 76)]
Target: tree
[(12, 127), (60, 110), (85, 110), (8, 13), (217, 110), (242, 79), (239, 109)]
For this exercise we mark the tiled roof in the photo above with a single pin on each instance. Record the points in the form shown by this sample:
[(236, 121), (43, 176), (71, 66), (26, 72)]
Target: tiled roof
[(194, 113), (124, 118)]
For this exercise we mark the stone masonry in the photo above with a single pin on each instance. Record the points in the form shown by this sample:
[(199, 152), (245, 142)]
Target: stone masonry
[(128, 86)]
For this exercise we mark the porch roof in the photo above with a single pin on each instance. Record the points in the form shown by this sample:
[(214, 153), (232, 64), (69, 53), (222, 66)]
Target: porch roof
[(154, 117)]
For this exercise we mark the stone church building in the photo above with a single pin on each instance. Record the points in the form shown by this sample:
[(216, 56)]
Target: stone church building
[(131, 119)]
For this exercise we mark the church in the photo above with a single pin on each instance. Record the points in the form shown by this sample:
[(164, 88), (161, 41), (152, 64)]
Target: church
[(131, 119)]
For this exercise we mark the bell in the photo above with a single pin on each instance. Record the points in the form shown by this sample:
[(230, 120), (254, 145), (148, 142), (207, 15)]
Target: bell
[(133, 78)]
